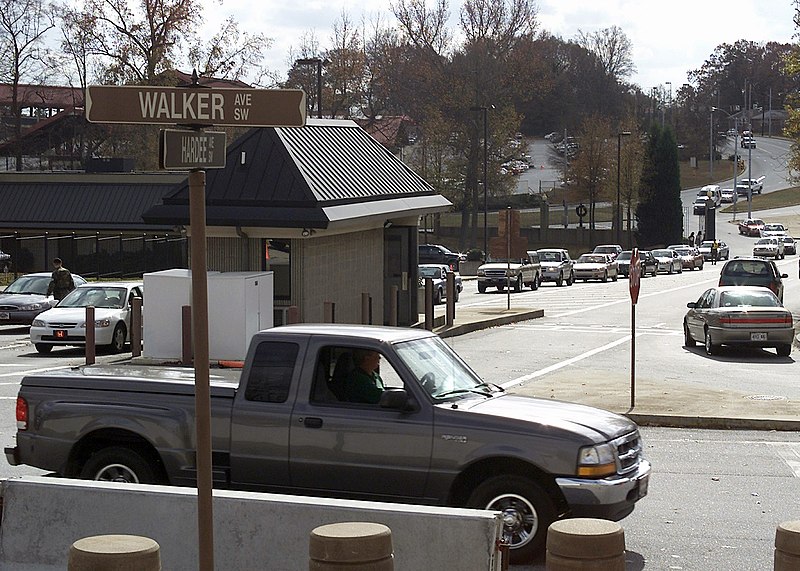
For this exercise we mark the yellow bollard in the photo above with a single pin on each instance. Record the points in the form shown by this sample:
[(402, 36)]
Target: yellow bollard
[(787, 546), (351, 546), (114, 553), (585, 544)]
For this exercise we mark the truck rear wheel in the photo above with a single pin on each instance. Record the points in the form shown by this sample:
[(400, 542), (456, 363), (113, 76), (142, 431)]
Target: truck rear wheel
[(526, 508), (119, 464)]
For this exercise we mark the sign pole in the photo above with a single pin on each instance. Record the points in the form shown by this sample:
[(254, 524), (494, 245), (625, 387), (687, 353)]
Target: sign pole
[(197, 223), (634, 284)]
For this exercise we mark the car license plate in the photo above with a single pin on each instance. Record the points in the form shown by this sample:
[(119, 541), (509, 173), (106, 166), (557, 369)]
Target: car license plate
[(4, 315), (644, 481), (60, 333), (758, 337)]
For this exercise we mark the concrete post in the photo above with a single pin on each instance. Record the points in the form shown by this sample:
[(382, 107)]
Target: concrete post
[(186, 337), (366, 309), (292, 314), (91, 344), (429, 304), (787, 546), (585, 544), (114, 553), (451, 298), (136, 327), (351, 546)]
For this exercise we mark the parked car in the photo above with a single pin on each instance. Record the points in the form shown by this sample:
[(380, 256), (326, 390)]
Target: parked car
[(789, 245), (691, 258), (26, 297), (612, 249), (739, 315), (596, 266), (723, 250), (515, 273), (5, 259), (727, 195), (647, 263), (773, 229), (699, 206), (668, 261), (438, 254), (755, 272), (65, 324), (769, 248), (557, 266), (438, 273)]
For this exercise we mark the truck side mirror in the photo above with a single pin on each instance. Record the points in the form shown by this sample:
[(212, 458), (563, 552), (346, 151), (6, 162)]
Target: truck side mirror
[(394, 398)]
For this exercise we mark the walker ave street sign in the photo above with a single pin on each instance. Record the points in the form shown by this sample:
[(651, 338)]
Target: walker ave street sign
[(192, 149), (196, 106)]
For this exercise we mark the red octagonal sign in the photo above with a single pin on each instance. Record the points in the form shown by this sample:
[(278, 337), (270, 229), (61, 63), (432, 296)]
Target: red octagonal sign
[(635, 274)]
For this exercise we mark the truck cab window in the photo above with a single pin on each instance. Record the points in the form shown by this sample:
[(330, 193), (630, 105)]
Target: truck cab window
[(342, 374), (271, 372)]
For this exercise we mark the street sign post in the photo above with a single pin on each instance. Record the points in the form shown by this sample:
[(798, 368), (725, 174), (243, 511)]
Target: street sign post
[(199, 106), (634, 284), (186, 150)]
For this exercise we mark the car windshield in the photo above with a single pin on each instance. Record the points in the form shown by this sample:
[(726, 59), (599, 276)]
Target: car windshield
[(707, 244), (749, 299), (550, 256), (107, 297), (605, 250), (430, 272), (440, 371), (763, 241), (683, 251), (29, 284), (744, 268), (662, 253), (590, 259), (624, 256)]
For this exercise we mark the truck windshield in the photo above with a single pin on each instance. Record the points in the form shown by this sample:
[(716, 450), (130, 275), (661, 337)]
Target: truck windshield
[(440, 371)]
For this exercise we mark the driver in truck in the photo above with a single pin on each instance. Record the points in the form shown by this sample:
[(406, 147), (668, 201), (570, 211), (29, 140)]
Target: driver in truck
[(365, 384)]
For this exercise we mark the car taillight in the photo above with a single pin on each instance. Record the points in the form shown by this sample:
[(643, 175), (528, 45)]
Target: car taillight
[(22, 414)]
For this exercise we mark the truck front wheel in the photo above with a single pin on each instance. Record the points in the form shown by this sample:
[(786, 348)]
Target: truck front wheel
[(527, 512), (119, 464)]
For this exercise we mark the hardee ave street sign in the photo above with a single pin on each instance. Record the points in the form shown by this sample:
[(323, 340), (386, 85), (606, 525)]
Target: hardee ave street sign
[(191, 149), (229, 107)]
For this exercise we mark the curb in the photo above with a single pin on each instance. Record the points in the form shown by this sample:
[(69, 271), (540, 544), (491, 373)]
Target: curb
[(714, 423)]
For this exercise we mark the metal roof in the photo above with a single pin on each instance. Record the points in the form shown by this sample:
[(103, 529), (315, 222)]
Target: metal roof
[(78, 202), (296, 177)]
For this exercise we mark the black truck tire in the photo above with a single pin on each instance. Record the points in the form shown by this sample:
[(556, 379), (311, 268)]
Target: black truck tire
[(119, 464), (528, 512)]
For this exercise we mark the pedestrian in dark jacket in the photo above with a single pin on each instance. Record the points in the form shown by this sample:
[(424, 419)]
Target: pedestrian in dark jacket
[(61, 282), (691, 239)]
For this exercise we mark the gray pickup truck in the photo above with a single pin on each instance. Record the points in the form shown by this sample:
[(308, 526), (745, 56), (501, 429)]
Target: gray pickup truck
[(438, 434)]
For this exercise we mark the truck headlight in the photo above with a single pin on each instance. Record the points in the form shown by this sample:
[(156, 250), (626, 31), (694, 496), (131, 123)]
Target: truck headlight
[(596, 461), (481, 272)]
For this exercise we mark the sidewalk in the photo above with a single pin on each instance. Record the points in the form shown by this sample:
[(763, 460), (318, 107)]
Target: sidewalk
[(673, 404)]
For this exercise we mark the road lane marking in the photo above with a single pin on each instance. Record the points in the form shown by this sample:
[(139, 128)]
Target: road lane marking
[(789, 453), (562, 364)]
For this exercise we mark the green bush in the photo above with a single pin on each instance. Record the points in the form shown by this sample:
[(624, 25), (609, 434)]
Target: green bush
[(474, 255)]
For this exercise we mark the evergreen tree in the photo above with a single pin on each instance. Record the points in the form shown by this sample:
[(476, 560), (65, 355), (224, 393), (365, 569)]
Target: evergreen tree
[(660, 211)]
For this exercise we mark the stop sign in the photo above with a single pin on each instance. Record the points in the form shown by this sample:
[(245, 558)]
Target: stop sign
[(635, 274)]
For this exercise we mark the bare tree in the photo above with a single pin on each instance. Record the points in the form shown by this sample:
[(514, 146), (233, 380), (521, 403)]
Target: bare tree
[(23, 26), (230, 54), (589, 168), (613, 49), (346, 68), (425, 27)]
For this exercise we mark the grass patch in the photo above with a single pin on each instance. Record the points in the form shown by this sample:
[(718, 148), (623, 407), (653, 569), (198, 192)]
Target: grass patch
[(775, 199), (696, 177)]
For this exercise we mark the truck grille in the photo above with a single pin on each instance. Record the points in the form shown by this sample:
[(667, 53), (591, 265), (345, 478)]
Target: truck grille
[(495, 274), (629, 451)]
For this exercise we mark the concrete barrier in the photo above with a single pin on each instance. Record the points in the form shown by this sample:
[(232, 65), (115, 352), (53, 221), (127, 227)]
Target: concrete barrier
[(787, 546), (585, 544), (42, 517), (351, 546), (114, 553)]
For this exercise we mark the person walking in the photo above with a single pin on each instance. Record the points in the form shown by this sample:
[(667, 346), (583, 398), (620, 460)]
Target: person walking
[(714, 252), (699, 239), (61, 282), (691, 240)]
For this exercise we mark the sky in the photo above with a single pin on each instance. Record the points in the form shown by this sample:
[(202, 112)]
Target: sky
[(669, 38)]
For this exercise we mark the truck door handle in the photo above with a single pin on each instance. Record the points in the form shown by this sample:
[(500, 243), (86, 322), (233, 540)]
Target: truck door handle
[(312, 422)]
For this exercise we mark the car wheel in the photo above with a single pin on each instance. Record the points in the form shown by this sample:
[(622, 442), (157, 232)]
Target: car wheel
[(671, 269), (119, 464), (518, 284), (43, 348), (481, 288), (456, 294), (605, 277), (784, 350), (560, 280), (688, 341), (118, 338), (437, 296), (616, 277), (571, 279), (537, 281), (701, 266), (527, 512), (711, 349)]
